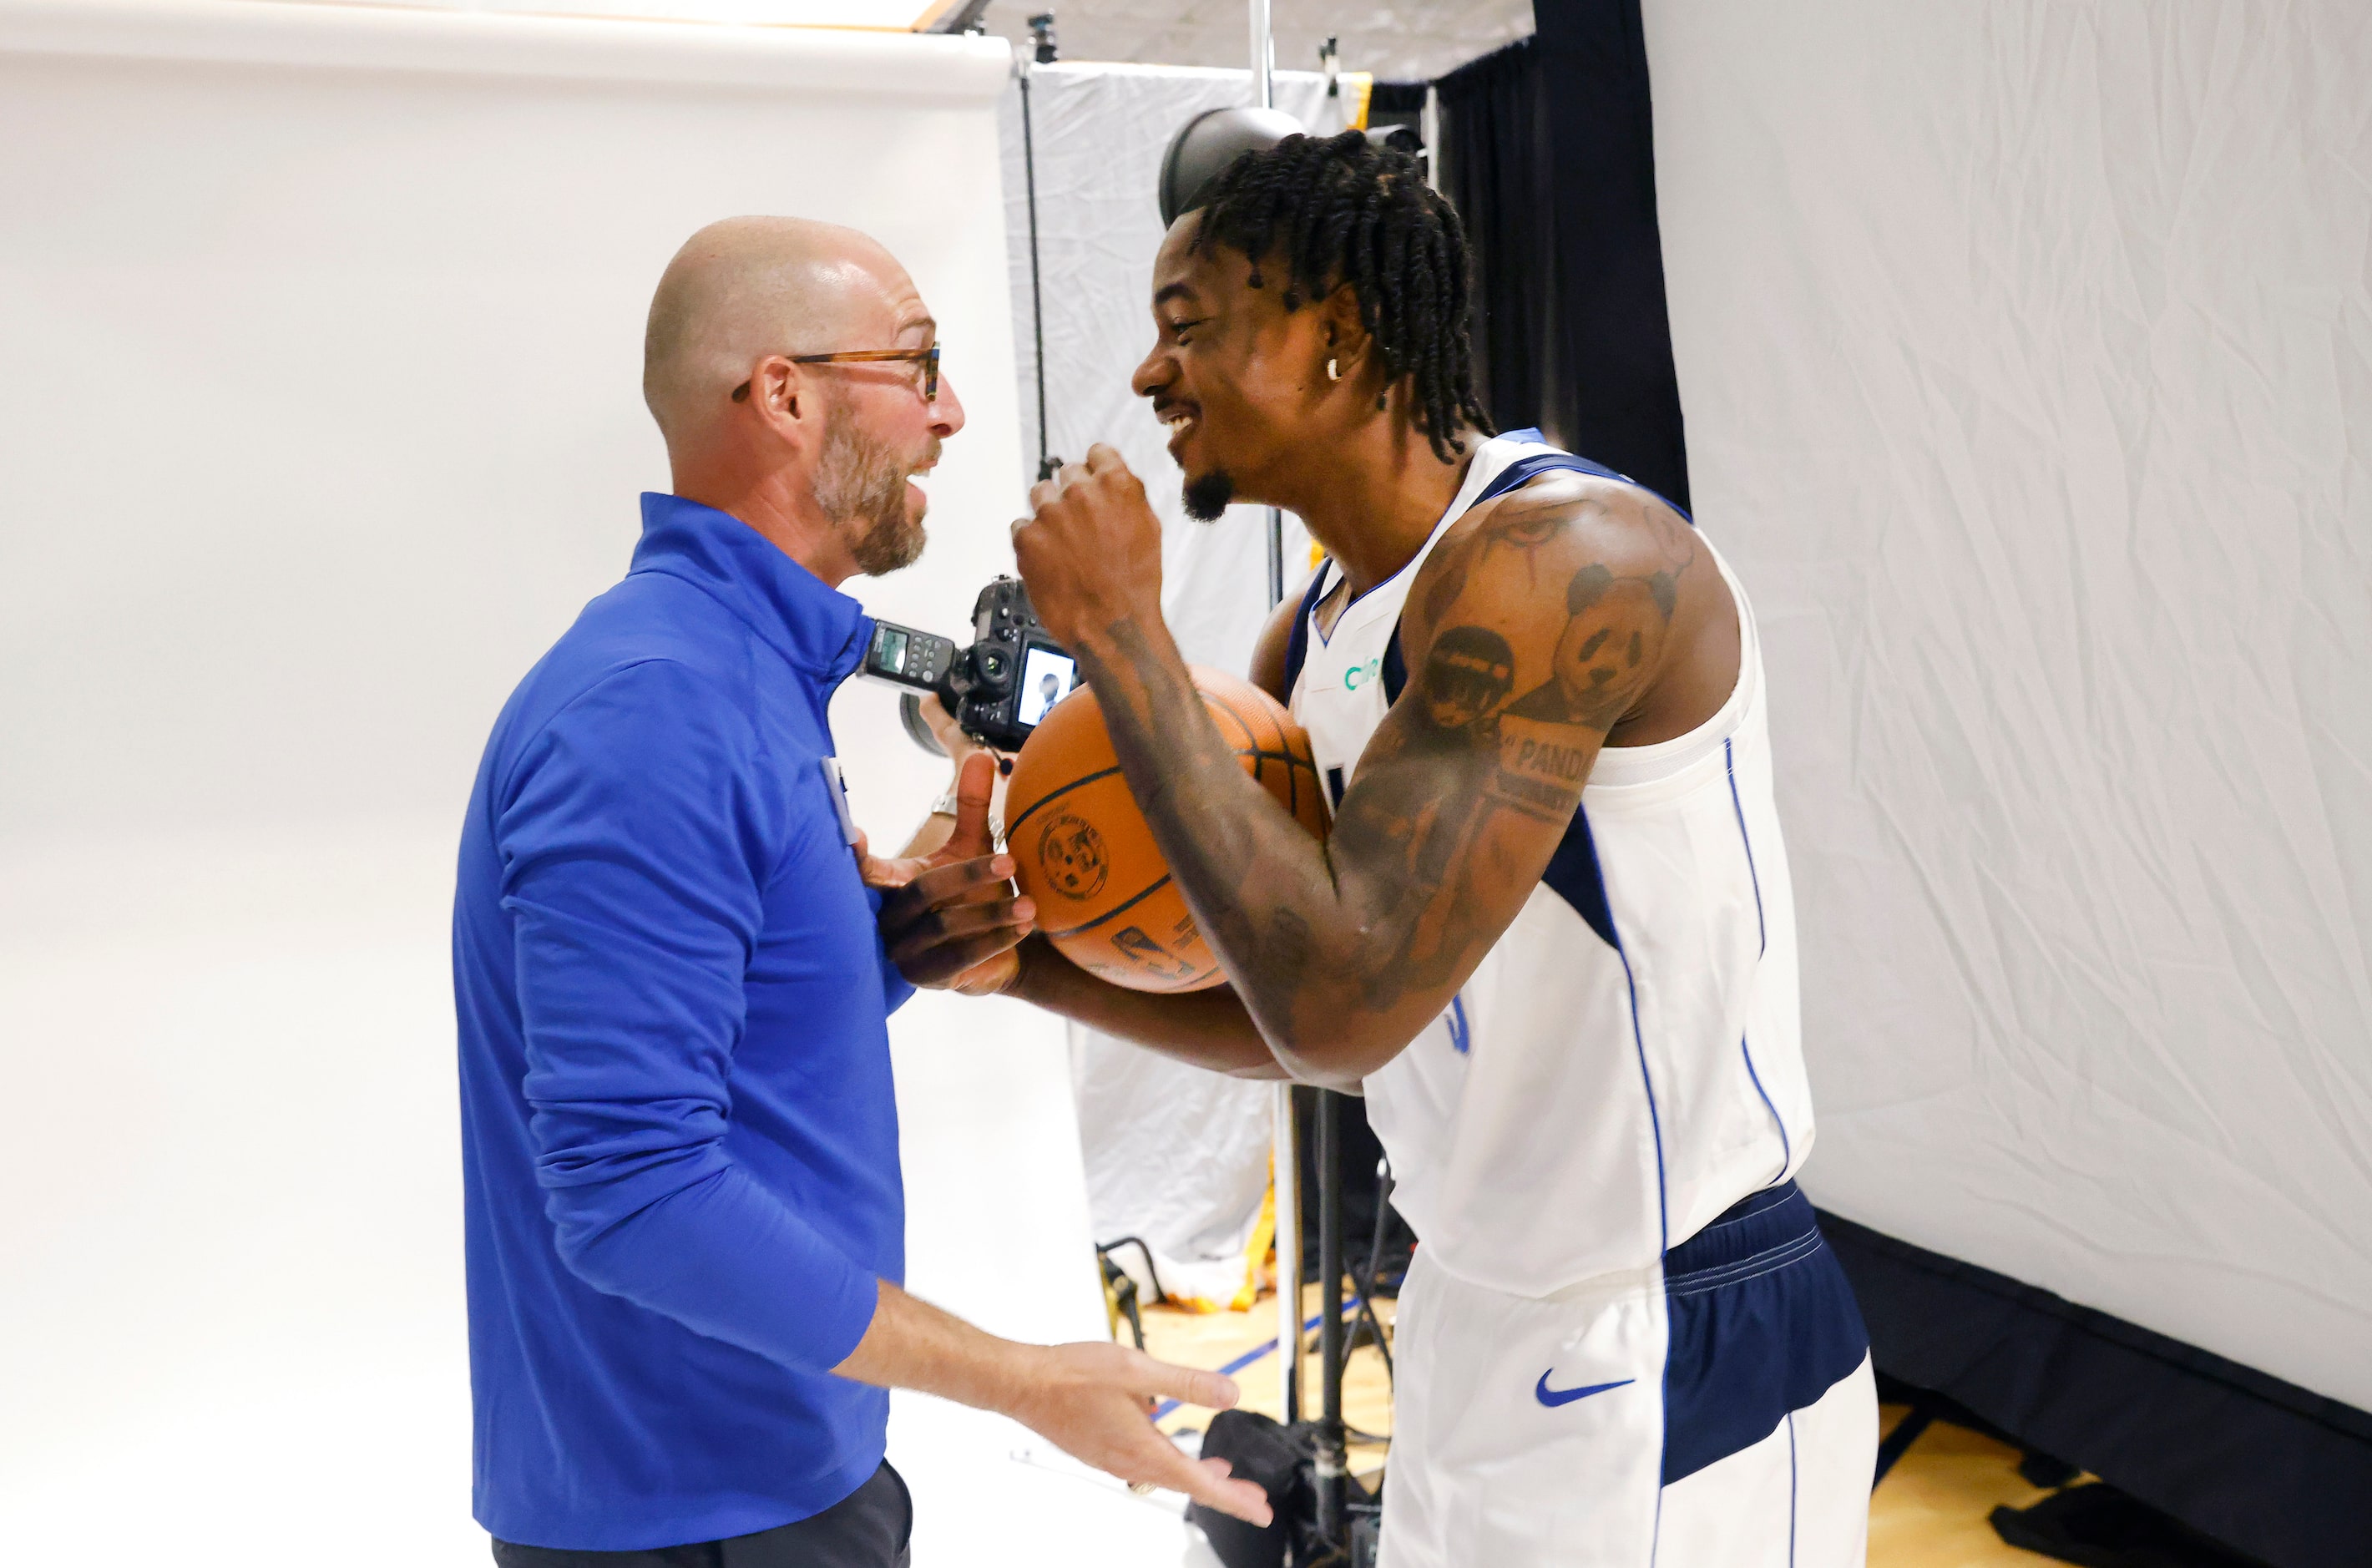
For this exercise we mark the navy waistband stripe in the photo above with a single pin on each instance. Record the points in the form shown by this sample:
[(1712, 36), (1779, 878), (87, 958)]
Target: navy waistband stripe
[(1759, 1322), (1753, 1226)]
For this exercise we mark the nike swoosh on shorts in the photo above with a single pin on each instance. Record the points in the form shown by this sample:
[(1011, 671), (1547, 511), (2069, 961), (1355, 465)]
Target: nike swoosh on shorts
[(1555, 1397)]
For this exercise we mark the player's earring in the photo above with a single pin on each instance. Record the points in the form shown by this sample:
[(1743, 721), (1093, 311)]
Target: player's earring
[(1333, 372)]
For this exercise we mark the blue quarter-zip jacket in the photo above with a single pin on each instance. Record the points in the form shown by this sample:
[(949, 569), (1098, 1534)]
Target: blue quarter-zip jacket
[(680, 1144)]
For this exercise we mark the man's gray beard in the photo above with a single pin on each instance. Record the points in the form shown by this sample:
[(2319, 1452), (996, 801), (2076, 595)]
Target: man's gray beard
[(1208, 494), (861, 486)]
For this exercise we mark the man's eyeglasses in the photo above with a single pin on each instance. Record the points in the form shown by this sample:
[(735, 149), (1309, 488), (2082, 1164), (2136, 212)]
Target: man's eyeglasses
[(928, 357)]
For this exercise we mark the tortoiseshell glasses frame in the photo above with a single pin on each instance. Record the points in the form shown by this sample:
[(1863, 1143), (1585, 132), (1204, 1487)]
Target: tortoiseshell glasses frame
[(927, 357)]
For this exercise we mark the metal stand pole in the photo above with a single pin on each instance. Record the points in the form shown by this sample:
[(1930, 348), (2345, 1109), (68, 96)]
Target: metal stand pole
[(1332, 1456), (1330, 1467), (1047, 463), (1288, 1253), (1288, 1184), (1263, 94)]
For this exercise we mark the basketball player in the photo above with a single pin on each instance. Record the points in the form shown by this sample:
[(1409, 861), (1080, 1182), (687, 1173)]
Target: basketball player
[(1551, 936)]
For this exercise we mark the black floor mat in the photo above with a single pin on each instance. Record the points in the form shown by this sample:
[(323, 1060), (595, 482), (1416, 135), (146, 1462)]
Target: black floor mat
[(2099, 1527)]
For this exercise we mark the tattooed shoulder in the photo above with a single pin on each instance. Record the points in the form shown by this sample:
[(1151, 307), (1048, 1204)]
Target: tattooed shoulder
[(1540, 622)]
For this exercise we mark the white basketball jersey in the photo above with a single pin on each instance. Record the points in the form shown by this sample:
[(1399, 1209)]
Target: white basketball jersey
[(1626, 1062)]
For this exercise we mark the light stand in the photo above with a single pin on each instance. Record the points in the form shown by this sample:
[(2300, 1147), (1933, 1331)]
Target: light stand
[(1332, 1456), (1287, 1154), (1321, 1533), (1331, 1465)]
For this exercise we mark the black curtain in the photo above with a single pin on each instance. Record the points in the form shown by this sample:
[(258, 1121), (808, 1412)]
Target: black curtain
[(2274, 1470), (1548, 152)]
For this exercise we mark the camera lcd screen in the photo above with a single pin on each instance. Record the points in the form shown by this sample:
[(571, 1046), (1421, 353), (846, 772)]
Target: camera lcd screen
[(889, 650), (1047, 677)]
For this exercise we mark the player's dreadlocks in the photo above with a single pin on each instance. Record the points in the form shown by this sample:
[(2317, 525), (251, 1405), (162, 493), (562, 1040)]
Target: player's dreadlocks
[(1343, 210)]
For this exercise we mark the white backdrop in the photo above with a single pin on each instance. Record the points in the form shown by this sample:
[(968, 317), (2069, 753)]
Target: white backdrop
[(2025, 350), (320, 346)]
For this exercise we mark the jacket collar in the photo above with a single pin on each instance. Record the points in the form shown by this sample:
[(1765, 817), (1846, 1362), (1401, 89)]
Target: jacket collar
[(820, 631)]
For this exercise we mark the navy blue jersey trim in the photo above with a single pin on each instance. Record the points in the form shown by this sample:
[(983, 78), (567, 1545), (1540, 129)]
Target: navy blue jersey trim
[(1296, 643), (1760, 924), (1523, 471), (1395, 669), (1787, 1145), (1655, 1118), (1573, 874), (1787, 1148)]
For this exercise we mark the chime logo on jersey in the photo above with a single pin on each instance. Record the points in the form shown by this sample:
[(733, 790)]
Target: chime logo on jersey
[(1358, 675)]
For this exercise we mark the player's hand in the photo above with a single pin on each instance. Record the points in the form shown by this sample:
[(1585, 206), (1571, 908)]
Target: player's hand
[(950, 919), (1090, 550), (1093, 1402)]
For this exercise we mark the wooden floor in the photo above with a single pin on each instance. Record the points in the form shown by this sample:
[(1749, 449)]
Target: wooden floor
[(1930, 1512)]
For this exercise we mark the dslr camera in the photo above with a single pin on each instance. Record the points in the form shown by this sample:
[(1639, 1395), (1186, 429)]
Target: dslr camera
[(998, 687)]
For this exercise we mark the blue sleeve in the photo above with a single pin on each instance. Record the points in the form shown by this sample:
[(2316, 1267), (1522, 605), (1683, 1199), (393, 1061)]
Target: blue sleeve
[(896, 989), (635, 834)]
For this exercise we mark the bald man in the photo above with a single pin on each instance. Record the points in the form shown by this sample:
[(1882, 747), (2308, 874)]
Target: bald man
[(674, 964)]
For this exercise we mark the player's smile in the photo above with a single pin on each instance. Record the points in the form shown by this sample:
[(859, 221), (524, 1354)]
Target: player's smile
[(1183, 418)]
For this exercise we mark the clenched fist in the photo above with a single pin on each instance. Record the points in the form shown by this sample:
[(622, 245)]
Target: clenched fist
[(1091, 551)]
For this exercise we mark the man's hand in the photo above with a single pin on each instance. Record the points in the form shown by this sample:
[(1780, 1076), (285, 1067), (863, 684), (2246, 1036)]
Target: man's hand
[(1091, 552), (948, 733), (1091, 1400), (946, 919)]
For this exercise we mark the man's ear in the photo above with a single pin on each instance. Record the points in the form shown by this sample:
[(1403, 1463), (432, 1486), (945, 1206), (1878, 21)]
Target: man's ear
[(1345, 336), (777, 391)]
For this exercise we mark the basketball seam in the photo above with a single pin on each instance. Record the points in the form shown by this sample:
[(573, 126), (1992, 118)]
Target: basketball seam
[(1250, 741), (1251, 748), (1015, 826), (1116, 909)]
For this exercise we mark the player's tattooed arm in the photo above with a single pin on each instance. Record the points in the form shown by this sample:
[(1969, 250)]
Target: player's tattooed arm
[(1534, 627), (1532, 633)]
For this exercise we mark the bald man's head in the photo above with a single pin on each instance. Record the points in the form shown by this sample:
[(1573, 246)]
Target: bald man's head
[(824, 455), (747, 287)]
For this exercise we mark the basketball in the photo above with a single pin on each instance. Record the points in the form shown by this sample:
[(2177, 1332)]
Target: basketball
[(1082, 849)]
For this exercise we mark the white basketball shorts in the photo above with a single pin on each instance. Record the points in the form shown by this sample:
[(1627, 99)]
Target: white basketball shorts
[(1716, 1410)]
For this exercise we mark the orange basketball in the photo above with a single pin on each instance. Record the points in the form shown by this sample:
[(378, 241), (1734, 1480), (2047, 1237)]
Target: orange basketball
[(1082, 849)]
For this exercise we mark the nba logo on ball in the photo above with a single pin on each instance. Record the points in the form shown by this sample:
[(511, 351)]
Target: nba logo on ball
[(1084, 851), (1070, 853)]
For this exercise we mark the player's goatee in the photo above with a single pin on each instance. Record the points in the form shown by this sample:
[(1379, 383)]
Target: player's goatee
[(1207, 496)]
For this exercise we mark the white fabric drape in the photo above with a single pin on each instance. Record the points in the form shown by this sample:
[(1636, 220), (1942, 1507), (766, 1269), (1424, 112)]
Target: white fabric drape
[(2025, 350), (1176, 1155), (320, 335)]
